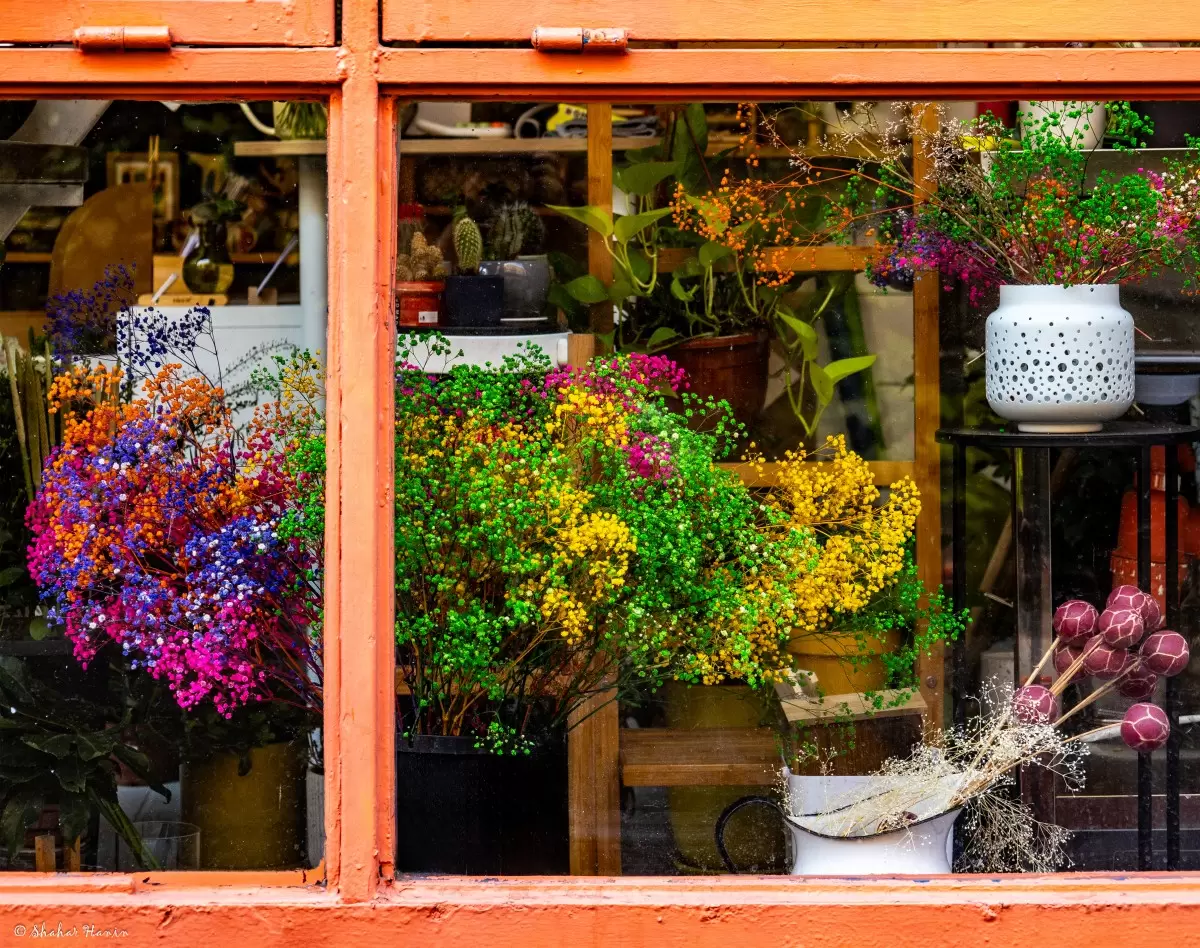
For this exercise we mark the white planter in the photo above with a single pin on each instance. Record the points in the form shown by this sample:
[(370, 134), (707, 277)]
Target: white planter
[(923, 847), (1086, 131), (1060, 358)]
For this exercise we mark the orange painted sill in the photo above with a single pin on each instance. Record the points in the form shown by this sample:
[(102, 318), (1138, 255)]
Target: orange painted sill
[(24, 883), (247, 888)]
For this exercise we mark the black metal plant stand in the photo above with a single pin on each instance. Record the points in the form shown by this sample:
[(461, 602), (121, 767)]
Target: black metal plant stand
[(1032, 511)]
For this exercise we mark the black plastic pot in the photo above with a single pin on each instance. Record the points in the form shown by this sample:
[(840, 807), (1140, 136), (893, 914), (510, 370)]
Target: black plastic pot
[(469, 812), (473, 301)]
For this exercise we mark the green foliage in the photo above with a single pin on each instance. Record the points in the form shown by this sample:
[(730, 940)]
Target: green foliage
[(926, 619), (514, 230), (535, 564), (1033, 210), (63, 750)]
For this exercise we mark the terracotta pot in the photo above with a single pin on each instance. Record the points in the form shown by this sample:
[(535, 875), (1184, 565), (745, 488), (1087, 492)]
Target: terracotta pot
[(419, 304), (729, 368)]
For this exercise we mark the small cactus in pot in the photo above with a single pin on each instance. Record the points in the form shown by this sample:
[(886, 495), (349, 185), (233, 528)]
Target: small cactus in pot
[(472, 300), (468, 243), (514, 230)]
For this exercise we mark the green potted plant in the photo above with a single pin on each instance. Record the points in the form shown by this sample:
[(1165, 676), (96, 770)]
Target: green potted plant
[(420, 283), (473, 300), (562, 534), (727, 303)]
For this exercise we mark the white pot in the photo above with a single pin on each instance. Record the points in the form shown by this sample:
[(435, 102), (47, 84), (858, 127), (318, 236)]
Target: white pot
[(1060, 358), (924, 847), (1086, 131)]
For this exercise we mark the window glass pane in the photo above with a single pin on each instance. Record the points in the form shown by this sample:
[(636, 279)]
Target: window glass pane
[(162, 468), (607, 729), (605, 645)]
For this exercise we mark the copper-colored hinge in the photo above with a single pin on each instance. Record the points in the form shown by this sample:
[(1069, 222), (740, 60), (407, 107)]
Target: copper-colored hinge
[(91, 39), (575, 39)]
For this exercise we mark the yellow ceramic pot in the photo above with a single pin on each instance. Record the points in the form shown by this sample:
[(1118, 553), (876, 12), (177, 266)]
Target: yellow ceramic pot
[(254, 821), (843, 662), (753, 839)]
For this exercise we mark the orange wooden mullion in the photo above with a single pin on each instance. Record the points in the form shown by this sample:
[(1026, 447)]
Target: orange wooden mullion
[(359, 541)]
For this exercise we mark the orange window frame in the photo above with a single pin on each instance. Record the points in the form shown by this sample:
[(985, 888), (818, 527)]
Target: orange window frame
[(360, 902)]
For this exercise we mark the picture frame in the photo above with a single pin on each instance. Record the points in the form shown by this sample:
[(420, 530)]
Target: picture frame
[(134, 168)]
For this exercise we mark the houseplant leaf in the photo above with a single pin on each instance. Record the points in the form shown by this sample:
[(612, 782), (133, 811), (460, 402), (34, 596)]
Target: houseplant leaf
[(711, 252), (804, 332), (845, 367), (821, 382), (19, 812), (587, 289), (629, 226), (592, 217), (640, 179), (680, 292), (661, 338)]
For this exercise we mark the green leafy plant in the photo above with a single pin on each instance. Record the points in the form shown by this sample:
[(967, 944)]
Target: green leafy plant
[(561, 533), (1033, 210), (926, 618), (729, 280), (63, 750)]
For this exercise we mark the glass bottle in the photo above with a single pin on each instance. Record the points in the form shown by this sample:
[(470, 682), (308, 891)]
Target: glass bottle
[(208, 268)]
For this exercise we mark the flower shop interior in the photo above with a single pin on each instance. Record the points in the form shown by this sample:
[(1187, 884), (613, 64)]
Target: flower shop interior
[(778, 487)]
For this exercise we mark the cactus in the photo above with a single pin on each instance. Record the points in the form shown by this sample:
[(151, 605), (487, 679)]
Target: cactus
[(422, 262), (515, 229), (468, 243)]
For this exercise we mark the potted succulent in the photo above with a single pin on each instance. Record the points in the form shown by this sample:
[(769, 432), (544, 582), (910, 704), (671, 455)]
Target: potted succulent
[(515, 241), (1056, 237), (420, 282), (472, 299)]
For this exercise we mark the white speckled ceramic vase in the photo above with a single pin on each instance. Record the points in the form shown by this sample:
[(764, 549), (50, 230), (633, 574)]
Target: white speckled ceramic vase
[(1060, 358)]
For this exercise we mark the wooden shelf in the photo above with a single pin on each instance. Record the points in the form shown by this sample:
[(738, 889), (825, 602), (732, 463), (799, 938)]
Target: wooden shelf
[(19, 256), (510, 146), (886, 472), (445, 210), (272, 148), (794, 259), (266, 258), (276, 148), (705, 757)]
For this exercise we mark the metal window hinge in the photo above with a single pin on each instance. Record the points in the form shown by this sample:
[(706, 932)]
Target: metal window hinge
[(577, 39), (93, 39)]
